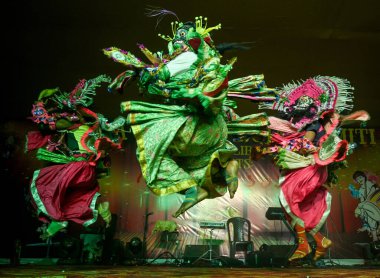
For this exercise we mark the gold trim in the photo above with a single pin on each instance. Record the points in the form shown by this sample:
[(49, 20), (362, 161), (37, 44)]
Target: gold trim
[(174, 188), (141, 148)]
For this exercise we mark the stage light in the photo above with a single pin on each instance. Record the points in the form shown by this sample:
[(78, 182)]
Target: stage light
[(135, 245)]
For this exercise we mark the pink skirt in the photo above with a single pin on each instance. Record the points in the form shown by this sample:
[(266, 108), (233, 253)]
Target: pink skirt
[(304, 197)]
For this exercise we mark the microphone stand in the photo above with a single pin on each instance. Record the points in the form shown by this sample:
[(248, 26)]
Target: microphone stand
[(144, 236)]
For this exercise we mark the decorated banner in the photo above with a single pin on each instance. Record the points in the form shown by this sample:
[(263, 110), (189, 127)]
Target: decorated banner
[(353, 223)]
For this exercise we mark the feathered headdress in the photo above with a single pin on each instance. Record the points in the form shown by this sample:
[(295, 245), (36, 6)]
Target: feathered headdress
[(323, 92)]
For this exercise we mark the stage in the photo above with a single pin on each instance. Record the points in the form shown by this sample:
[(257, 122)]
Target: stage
[(170, 271), (206, 163)]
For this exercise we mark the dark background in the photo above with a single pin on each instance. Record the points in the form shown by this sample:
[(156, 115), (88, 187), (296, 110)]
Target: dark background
[(57, 43)]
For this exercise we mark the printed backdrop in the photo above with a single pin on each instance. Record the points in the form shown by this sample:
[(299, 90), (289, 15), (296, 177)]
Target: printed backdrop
[(258, 190), (131, 201)]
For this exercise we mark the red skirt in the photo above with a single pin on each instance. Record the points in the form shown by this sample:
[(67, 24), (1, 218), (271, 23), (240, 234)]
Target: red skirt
[(66, 192)]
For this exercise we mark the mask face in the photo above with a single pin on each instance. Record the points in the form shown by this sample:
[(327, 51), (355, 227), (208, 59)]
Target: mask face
[(181, 37), (303, 103)]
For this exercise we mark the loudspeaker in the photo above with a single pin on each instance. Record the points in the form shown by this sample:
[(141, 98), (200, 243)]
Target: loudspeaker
[(193, 252), (270, 255), (231, 262)]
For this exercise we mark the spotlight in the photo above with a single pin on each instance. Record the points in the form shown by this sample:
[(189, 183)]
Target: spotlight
[(135, 245)]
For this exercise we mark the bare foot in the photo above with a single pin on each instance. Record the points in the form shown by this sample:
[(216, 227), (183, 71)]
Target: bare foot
[(201, 195)]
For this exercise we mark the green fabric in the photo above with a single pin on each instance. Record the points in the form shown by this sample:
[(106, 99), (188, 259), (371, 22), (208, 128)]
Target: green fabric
[(36, 196), (246, 83), (181, 147), (177, 144), (123, 57), (47, 93), (191, 195), (43, 154), (55, 226), (255, 125), (162, 226), (121, 80), (291, 160), (203, 76), (94, 211), (78, 134)]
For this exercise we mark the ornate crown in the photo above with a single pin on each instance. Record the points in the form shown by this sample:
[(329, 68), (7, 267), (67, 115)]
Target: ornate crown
[(200, 28)]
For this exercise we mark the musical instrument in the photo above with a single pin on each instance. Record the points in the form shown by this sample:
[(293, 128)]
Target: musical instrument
[(275, 213), (212, 225)]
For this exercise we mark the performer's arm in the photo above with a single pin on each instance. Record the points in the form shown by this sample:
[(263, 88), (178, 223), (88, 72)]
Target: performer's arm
[(310, 135), (164, 72)]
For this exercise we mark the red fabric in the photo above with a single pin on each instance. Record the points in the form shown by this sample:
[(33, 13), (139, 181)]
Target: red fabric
[(360, 115), (304, 192), (36, 139), (195, 43), (281, 125), (67, 191), (280, 139), (222, 86), (208, 40)]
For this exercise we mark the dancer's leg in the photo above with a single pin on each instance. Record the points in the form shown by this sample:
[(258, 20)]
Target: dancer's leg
[(303, 248), (53, 228), (323, 243), (232, 177), (193, 196)]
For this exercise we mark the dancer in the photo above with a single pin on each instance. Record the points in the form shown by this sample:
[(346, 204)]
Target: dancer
[(181, 129), (305, 142), (75, 143)]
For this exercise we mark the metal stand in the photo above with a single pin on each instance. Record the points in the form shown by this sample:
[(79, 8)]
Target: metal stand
[(167, 254), (293, 233), (332, 263), (209, 252)]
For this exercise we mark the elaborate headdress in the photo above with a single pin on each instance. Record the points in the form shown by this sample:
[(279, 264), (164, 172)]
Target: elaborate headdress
[(323, 93), (200, 27), (190, 33), (63, 104)]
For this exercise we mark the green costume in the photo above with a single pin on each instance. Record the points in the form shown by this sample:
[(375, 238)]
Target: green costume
[(182, 141)]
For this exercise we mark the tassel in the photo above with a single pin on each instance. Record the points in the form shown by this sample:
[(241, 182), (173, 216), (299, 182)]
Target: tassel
[(160, 13)]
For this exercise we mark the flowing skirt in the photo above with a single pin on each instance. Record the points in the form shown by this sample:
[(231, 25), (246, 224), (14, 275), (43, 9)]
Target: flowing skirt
[(304, 197), (178, 148), (66, 192)]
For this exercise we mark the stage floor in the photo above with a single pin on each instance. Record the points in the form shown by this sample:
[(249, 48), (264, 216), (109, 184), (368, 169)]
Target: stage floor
[(170, 271)]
